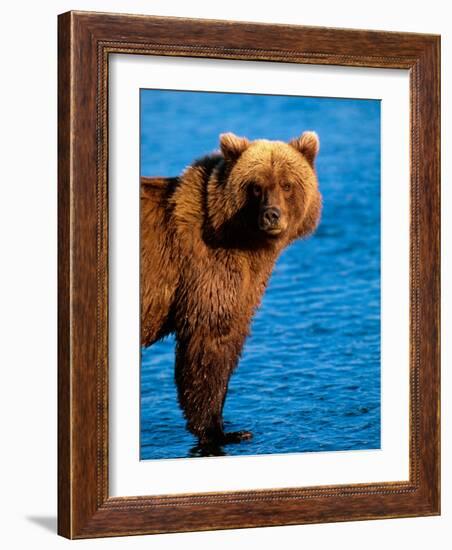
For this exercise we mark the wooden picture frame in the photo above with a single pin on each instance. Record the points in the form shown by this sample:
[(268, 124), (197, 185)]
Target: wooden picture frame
[(85, 42)]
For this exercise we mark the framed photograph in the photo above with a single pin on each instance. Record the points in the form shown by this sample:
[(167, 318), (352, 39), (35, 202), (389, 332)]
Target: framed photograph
[(248, 275)]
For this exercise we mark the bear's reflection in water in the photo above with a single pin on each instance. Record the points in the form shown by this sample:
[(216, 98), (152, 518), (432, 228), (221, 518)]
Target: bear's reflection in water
[(208, 449)]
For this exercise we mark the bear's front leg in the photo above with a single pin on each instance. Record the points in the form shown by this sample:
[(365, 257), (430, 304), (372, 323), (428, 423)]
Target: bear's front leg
[(203, 369)]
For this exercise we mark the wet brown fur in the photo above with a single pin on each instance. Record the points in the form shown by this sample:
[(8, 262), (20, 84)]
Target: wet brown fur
[(205, 261)]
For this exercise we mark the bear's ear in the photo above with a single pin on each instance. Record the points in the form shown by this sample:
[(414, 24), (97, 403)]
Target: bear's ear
[(307, 144), (232, 146)]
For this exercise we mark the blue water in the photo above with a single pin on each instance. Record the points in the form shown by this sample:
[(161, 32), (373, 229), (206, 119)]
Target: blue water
[(309, 377)]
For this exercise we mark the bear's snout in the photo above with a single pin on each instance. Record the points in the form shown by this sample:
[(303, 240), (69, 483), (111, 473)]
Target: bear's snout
[(271, 215), (269, 219)]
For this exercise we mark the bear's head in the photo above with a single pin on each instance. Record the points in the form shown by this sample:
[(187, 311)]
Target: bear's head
[(269, 188)]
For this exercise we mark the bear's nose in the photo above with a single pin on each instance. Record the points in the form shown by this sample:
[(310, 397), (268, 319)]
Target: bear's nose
[(271, 216)]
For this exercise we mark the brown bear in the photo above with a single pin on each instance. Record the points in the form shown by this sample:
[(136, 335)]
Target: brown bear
[(209, 241)]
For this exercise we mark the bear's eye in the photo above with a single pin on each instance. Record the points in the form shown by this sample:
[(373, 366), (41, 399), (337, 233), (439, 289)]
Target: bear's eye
[(287, 186), (256, 189)]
